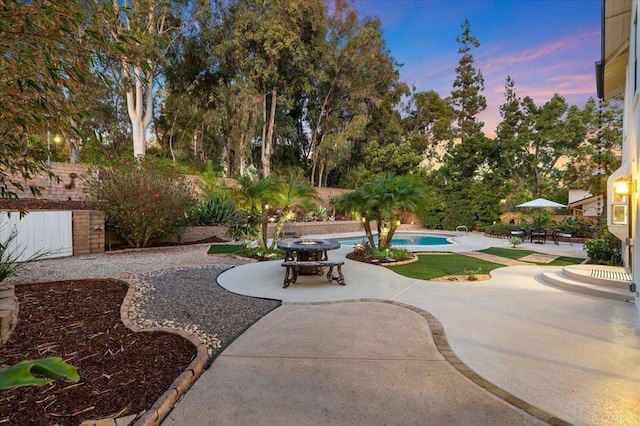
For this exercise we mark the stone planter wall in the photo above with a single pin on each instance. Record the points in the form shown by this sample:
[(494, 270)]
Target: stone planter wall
[(8, 312), (300, 229)]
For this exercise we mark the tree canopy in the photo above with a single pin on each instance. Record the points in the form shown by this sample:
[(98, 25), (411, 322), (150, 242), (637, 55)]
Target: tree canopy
[(255, 87)]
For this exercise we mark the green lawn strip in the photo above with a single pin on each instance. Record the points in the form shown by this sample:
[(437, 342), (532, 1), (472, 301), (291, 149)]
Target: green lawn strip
[(224, 248), (517, 254), (436, 265), (509, 253), (564, 261)]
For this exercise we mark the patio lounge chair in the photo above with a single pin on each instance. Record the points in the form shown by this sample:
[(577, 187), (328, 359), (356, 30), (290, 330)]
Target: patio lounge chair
[(561, 234), (520, 233)]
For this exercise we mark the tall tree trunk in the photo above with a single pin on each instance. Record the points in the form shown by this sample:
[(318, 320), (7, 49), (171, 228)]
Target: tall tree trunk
[(321, 173), (367, 230), (264, 131), (139, 107), (195, 144), (241, 157), (314, 163), (313, 169), (268, 143)]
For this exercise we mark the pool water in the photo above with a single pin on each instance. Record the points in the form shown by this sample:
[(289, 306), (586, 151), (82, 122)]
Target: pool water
[(401, 240)]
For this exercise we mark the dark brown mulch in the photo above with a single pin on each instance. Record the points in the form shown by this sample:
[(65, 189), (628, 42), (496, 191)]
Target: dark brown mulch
[(42, 204), (121, 372)]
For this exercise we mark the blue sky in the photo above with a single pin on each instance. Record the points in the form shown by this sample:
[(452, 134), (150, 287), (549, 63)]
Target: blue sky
[(546, 46)]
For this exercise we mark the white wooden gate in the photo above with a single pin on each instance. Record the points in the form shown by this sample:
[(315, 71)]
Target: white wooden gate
[(41, 235)]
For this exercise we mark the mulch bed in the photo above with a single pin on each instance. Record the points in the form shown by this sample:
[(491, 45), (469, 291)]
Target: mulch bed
[(42, 204), (121, 372)]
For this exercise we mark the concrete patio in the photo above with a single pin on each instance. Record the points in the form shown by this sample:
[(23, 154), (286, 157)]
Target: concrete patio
[(574, 356)]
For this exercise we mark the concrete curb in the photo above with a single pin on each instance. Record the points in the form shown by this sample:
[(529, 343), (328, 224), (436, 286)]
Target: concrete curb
[(440, 339), (161, 408)]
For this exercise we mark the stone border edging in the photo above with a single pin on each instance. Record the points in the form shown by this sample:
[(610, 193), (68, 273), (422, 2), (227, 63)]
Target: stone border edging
[(441, 342), (400, 262), (163, 405)]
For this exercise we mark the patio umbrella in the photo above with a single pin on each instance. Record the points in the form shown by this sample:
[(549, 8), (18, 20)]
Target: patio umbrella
[(541, 203)]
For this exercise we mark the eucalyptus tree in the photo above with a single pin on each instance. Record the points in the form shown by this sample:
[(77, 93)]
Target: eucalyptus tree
[(142, 32), (355, 73), (273, 40), (428, 122)]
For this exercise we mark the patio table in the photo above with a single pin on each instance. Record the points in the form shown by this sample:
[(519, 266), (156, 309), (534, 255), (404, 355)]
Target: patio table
[(309, 257), (300, 249)]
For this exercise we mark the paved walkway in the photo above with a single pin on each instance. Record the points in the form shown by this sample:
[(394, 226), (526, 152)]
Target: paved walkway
[(493, 258), (341, 364), (571, 355)]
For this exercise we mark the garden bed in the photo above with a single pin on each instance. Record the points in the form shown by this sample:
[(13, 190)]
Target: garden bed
[(121, 372)]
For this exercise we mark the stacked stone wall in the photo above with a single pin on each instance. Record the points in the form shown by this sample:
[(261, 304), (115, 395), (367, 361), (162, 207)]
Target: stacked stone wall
[(88, 232)]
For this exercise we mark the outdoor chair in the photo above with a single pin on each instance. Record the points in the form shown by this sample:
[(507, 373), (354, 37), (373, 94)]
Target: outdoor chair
[(561, 234), (539, 235), (521, 233)]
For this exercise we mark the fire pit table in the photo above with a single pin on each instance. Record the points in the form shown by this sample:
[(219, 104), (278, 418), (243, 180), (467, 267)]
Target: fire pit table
[(309, 257)]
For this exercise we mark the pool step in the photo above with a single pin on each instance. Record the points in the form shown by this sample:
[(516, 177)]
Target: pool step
[(608, 282)]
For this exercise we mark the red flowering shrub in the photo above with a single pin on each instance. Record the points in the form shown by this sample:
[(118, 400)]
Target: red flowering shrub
[(142, 199)]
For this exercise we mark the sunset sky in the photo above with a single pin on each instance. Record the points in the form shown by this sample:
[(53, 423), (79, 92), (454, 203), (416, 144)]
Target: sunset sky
[(546, 46)]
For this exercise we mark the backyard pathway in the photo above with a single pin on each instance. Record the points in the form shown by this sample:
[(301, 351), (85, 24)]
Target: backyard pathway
[(571, 355)]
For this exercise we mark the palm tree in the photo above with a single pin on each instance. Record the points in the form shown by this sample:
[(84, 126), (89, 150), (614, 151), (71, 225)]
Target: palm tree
[(254, 196), (382, 199), (294, 191)]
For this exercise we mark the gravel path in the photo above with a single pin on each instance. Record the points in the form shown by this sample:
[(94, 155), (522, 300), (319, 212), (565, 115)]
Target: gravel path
[(175, 287)]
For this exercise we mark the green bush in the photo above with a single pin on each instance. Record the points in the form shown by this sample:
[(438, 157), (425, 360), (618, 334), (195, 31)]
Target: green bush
[(579, 226), (604, 250), (217, 210), (391, 254), (515, 241), (142, 199)]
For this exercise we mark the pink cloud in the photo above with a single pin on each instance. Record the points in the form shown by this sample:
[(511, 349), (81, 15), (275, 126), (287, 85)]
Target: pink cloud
[(571, 43)]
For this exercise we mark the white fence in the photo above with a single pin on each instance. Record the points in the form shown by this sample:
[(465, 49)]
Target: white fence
[(39, 234)]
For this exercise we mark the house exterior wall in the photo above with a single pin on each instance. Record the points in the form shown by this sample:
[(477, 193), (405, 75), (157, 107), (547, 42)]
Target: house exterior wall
[(578, 195), (629, 233)]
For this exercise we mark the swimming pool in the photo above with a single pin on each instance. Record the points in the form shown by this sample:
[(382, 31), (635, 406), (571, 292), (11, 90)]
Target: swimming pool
[(402, 240)]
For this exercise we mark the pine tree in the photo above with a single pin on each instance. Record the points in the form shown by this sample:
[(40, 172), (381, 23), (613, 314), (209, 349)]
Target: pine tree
[(468, 86)]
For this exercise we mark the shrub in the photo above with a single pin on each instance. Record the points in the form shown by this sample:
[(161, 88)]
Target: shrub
[(142, 199), (515, 241), (217, 210), (579, 226), (604, 250), (391, 254)]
